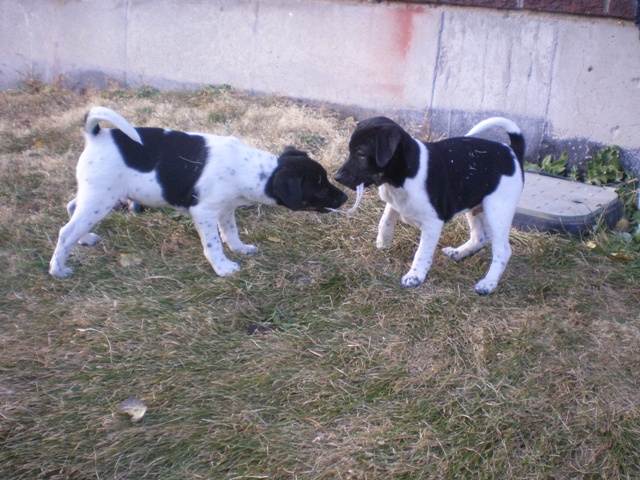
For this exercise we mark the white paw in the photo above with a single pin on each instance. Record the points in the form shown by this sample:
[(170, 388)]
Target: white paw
[(227, 268), (246, 249), (89, 239), (60, 272), (484, 287), (452, 253), (411, 281), (382, 242)]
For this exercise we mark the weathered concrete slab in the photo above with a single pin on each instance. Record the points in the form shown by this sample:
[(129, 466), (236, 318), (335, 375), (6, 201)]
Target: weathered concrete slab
[(595, 92), (494, 62), (569, 82), (348, 54), (50, 39)]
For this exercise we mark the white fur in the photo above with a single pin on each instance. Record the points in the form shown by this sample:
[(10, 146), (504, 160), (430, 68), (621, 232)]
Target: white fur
[(104, 178)]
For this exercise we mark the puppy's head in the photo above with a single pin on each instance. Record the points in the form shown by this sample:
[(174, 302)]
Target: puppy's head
[(374, 153), (300, 183)]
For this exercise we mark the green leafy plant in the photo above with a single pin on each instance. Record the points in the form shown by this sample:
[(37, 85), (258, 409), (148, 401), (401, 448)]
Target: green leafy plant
[(551, 165), (604, 168)]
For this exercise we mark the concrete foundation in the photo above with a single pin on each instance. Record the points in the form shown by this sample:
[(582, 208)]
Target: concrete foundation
[(572, 83)]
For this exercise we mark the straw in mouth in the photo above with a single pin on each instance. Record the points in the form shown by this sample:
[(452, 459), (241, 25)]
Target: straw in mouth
[(359, 192)]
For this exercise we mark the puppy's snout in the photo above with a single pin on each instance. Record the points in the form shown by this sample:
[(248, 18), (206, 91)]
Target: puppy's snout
[(345, 178), (341, 176), (341, 198)]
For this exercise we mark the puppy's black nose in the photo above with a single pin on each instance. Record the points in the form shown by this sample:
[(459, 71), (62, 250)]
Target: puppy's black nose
[(341, 177), (346, 179)]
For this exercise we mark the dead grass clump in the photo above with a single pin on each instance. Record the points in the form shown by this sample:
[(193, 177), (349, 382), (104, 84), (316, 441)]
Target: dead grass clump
[(312, 362)]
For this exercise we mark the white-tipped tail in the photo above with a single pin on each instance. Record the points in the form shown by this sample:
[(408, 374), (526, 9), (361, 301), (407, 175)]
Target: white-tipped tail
[(514, 132), (97, 114), (492, 122)]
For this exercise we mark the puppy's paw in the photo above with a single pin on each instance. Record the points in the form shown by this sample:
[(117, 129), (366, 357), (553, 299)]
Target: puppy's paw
[(382, 242), (453, 253), (60, 272), (484, 287), (411, 281), (246, 249), (89, 239), (227, 268)]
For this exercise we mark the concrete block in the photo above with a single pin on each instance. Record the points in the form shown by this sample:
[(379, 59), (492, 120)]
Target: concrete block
[(371, 56), (494, 62), (177, 43), (596, 83), (374, 57), (15, 38), (66, 38)]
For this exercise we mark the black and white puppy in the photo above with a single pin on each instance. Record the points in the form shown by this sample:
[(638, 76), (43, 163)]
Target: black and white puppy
[(426, 184), (205, 175)]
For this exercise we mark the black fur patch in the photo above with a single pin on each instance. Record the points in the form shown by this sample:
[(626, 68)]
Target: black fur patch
[(462, 171), (177, 157), (300, 183)]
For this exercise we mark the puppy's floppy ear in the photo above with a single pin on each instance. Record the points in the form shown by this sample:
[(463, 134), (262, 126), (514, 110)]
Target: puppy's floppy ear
[(387, 141), (288, 189)]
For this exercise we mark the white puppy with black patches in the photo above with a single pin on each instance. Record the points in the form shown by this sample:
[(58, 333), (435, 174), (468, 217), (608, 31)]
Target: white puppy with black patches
[(207, 176), (427, 184)]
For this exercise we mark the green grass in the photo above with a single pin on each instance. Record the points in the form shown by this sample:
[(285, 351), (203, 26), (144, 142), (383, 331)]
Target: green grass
[(355, 377)]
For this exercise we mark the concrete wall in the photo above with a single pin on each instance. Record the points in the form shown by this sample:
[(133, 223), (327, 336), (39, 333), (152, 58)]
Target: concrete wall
[(570, 82)]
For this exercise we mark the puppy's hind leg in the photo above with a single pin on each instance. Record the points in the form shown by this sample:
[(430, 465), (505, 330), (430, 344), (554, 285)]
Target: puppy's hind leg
[(478, 238), (88, 239), (206, 222), (229, 232), (498, 226), (386, 227), (85, 214)]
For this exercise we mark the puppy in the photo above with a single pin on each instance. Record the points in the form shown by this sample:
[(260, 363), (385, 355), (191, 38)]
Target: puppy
[(426, 184), (205, 175)]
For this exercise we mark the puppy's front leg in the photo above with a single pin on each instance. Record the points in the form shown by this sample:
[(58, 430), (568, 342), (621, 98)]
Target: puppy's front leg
[(206, 222), (386, 226), (229, 232), (423, 258)]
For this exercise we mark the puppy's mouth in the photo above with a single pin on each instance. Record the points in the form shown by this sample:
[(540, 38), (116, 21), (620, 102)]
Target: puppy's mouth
[(353, 181), (359, 184)]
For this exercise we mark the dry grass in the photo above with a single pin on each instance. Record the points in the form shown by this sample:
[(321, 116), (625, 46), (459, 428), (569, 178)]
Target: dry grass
[(358, 379)]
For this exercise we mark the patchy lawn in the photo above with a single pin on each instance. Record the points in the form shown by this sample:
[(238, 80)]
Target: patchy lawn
[(352, 377)]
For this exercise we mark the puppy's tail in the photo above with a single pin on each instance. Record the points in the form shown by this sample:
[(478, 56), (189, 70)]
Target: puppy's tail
[(97, 114), (514, 132)]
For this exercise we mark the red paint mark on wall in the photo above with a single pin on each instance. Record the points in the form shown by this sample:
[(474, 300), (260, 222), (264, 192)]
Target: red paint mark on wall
[(394, 49), (403, 30)]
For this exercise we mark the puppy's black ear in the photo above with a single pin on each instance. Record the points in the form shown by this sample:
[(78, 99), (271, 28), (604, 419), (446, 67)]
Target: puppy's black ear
[(293, 152), (289, 190), (387, 141)]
